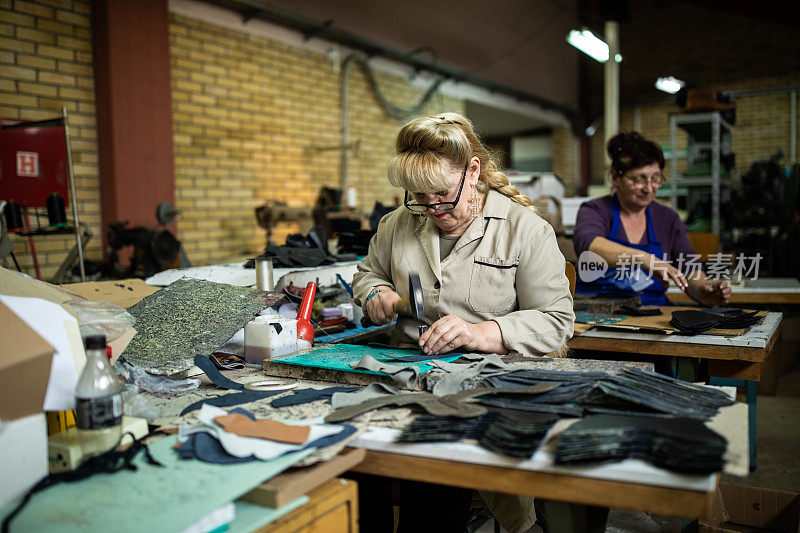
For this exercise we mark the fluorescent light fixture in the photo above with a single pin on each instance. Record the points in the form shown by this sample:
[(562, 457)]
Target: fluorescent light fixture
[(669, 84), (591, 45)]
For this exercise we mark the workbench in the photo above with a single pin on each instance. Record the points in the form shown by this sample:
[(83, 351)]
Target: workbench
[(735, 361), (629, 484), (762, 291)]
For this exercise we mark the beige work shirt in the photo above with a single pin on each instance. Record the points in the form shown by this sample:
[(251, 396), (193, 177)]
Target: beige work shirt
[(506, 267)]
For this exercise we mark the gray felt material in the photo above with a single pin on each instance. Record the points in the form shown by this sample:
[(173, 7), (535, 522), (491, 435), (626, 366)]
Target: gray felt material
[(374, 390), (405, 376), (189, 317)]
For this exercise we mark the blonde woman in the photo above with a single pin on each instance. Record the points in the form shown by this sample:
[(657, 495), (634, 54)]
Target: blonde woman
[(491, 271), (493, 281)]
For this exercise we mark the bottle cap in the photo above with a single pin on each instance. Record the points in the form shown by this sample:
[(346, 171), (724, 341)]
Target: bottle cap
[(95, 341)]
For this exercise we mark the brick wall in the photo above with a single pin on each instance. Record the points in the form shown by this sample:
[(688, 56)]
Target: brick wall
[(46, 63), (566, 162), (250, 117)]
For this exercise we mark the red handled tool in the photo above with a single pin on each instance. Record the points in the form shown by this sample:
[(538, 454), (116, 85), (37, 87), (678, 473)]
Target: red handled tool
[(304, 328)]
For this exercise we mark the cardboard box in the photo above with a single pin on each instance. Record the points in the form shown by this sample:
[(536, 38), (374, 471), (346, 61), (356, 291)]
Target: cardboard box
[(123, 292), (23, 459), (24, 367), (756, 507), (15, 284)]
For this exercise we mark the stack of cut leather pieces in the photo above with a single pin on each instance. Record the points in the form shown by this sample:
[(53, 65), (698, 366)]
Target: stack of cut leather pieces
[(691, 322), (678, 444), (508, 433), (632, 391)]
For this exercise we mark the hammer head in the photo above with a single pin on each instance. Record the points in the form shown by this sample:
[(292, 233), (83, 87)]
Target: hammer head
[(415, 299)]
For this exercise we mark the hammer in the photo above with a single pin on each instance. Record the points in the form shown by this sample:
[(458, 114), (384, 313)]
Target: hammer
[(414, 301)]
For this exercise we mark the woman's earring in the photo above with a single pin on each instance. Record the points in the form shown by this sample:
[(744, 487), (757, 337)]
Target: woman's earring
[(474, 204)]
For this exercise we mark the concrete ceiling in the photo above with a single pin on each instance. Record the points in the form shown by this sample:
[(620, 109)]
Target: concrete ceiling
[(519, 44)]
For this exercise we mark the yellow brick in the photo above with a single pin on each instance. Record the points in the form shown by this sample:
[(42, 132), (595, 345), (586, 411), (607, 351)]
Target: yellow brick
[(73, 43), (18, 19), (57, 79), (28, 34), (11, 99), (36, 62), (16, 46), (76, 94), (33, 9), (48, 103), (37, 89), (54, 27), (8, 85), (83, 57), (73, 18), (75, 68), (36, 114), (9, 112), (57, 53)]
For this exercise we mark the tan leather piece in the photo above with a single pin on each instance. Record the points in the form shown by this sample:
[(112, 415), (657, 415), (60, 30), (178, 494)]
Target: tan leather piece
[(263, 429)]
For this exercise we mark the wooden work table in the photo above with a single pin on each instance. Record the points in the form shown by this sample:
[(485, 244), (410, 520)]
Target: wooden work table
[(630, 484), (737, 361), (740, 357), (763, 291)]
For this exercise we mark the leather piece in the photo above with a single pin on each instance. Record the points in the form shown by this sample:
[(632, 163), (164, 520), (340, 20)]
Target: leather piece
[(431, 403), (302, 396), (206, 447), (457, 373), (678, 444), (507, 433), (405, 376), (236, 398), (455, 405), (263, 429), (206, 365), (374, 390)]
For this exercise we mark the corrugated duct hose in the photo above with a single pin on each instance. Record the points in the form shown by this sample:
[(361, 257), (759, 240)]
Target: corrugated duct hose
[(393, 110)]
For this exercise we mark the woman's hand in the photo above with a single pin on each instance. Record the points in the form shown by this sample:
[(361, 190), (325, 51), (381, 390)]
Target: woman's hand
[(664, 272), (380, 307), (713, 293), (448, 333)]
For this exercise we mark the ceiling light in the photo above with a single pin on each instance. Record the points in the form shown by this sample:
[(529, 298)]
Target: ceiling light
[(669, 84), (588, 43)]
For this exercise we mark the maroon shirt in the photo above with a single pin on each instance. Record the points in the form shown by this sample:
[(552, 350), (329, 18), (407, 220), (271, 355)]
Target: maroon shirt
[(595, 219)]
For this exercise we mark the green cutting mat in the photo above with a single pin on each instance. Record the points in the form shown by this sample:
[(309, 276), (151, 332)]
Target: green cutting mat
[(339, 357), (149, 499)]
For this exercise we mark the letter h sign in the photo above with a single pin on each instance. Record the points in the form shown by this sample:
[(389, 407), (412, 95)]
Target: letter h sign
[(28, 164)]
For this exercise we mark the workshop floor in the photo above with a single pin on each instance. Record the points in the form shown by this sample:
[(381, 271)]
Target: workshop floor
[(778, 460)]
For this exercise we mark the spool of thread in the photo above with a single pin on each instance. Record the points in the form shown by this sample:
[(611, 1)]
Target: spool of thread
[(56, 212), (264, 281), (13, 213)]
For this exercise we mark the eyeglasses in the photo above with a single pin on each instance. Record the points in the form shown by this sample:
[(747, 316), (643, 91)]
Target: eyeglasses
[(440, 206), (656, 180)]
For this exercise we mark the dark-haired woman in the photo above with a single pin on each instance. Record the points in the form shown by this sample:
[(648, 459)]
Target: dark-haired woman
[(644, 242)]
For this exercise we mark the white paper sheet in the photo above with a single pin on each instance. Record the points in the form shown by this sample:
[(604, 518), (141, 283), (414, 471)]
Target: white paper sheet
[(59, 328)]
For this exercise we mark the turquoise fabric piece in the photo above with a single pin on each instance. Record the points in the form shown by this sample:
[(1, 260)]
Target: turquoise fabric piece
[(148, 499), (339, 357)]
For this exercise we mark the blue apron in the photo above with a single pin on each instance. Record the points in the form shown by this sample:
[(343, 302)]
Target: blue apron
[(631, 280)]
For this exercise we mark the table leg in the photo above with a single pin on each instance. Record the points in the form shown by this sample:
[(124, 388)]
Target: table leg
[(751, 387)]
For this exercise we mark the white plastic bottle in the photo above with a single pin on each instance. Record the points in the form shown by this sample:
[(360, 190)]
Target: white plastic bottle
[(98, 401)]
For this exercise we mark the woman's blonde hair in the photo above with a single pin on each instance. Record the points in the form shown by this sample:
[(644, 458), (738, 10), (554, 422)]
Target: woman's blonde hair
[(424, 146)]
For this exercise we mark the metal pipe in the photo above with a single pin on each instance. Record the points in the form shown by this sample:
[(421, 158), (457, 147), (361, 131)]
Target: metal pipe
[(611, 119), (311, 28), (344, 176), (793, 127), (74, 202)]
